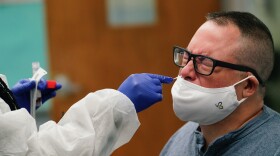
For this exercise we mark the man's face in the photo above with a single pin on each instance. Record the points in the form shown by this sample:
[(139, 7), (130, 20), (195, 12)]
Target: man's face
[(217, 42)]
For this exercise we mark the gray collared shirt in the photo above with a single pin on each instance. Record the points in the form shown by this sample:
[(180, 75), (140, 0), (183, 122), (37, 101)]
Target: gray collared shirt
[(259, 137)]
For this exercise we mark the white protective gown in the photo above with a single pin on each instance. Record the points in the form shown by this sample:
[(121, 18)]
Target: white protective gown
[(94, 126)]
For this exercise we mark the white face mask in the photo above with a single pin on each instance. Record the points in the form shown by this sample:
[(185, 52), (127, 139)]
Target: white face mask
[(205, 106)]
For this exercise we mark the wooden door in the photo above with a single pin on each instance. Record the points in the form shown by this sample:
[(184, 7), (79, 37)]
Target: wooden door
[(94, 55)]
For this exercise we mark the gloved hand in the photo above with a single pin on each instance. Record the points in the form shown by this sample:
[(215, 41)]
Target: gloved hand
[(21, 91), (144, 89)]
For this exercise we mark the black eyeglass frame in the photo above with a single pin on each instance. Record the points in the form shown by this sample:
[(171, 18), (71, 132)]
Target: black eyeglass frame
[(216, 63)]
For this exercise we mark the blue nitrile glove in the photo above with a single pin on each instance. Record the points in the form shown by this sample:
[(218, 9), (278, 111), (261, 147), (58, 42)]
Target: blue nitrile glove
[(144, 89), (21, 92)]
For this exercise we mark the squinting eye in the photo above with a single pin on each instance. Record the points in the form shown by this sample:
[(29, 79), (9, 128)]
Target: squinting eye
[(205, 61), (185, 58)]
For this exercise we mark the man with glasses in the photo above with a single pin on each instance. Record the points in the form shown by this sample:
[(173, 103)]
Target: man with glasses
[(220, 89)]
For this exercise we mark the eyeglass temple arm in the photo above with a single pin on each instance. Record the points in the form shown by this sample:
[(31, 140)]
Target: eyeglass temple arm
[(240, 68)]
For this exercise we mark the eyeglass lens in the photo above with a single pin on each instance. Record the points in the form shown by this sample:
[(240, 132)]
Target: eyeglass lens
[(202, 64)]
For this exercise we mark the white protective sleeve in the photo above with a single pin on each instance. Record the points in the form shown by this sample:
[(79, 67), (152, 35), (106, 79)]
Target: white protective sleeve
[(94, 126)]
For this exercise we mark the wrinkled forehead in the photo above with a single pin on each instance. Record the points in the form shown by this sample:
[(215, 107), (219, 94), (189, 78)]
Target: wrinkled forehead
[(216, 41)]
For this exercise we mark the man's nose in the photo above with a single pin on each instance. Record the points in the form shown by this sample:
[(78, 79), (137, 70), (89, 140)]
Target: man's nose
[(188, 72)]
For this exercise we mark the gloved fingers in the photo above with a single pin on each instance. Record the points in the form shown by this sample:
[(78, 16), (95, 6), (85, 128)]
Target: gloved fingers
[(161, 78), (42, 84), (149, 84), (152, 99), (150, 78), (47, 86), (157, 82), (48, 89), (157, 96), (48, 96), (157, 88), (22, 86), (47, 92), (24, 81), (52, 84), (58, 86)]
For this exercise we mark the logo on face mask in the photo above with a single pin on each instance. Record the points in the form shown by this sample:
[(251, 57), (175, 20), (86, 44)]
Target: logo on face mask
[(219, 105)]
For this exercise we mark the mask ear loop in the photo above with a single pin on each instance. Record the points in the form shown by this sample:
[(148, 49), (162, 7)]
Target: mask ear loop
[(242, 100), (243, 80)]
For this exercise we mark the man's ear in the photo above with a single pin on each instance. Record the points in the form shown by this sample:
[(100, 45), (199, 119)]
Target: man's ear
[(250, 87)]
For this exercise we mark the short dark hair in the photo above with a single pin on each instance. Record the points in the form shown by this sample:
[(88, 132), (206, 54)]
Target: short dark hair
[(257, 51)]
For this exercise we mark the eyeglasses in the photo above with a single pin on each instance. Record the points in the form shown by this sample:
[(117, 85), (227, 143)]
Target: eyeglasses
[(205, 65)]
